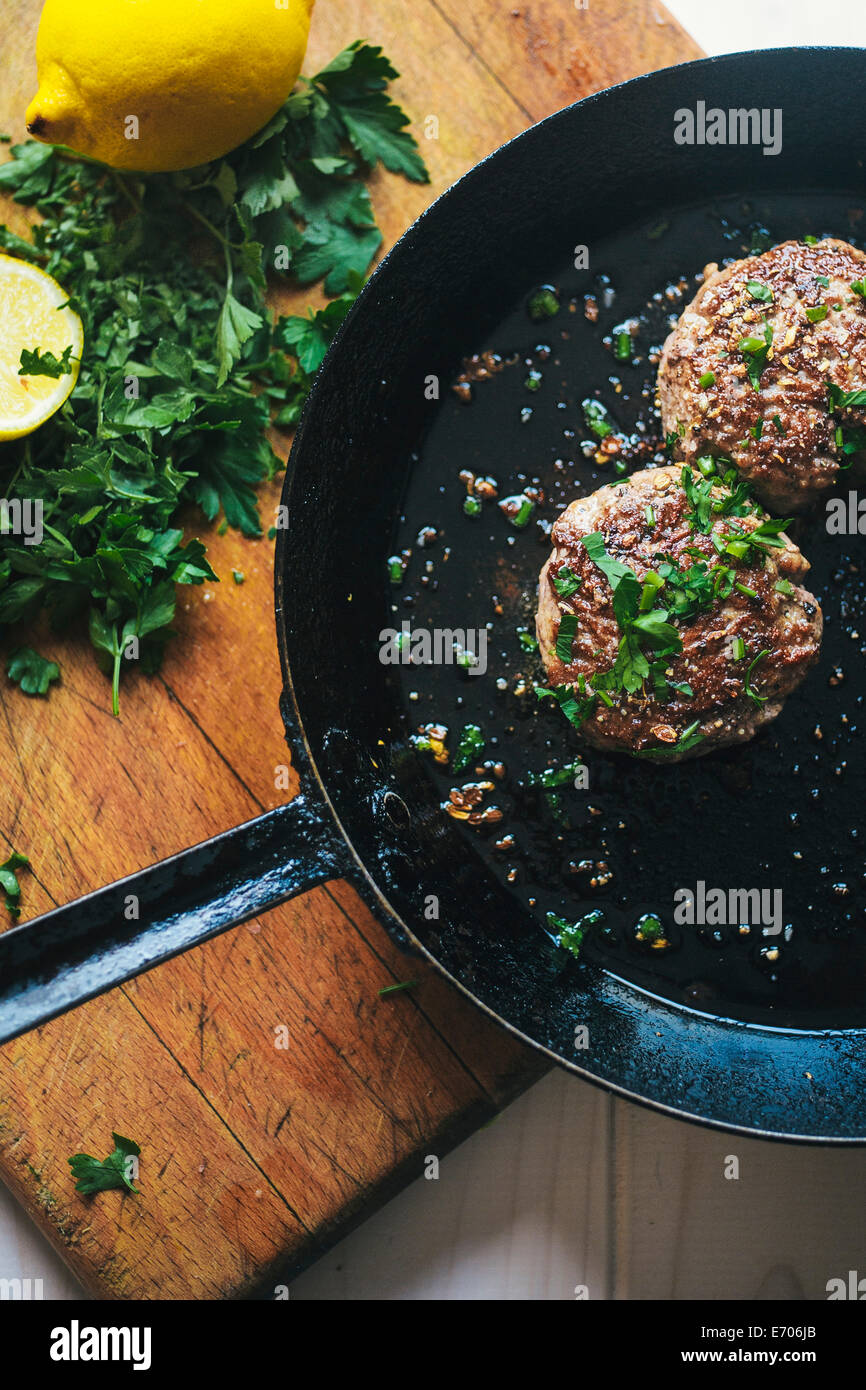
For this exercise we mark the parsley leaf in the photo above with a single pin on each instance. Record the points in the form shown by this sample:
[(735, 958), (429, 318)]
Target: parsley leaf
[(469, 747), (309, 338), (759, 291), (565, 637), (34, 673), (843, 400), (102, 1174), (566, 582), (570, 934), (689, 738), (576, 706), (356, 82), (596, 418), (36, 363), (755, 350), (9, 882), (235, 326), (613, 570), (748, 688)]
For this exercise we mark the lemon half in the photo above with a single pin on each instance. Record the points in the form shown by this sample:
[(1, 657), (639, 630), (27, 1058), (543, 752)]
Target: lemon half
[(33, 316)]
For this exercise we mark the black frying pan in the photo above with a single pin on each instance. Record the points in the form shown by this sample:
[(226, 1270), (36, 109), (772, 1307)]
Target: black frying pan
[(713, 1029)]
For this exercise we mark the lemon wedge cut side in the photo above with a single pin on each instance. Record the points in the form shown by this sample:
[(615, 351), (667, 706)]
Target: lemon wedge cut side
[(31, 318)]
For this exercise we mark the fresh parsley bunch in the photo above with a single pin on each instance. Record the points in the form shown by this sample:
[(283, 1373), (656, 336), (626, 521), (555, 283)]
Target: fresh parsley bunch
[(183, 370)]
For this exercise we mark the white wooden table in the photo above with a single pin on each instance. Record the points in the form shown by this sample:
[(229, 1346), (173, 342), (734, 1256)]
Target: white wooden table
[(569, 1187)]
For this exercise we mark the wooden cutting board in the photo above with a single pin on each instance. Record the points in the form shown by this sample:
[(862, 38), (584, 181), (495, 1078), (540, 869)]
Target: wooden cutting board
[(255, 1158)]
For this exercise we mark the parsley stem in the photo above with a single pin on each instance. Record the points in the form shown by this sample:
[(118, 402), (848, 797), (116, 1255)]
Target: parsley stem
[(124, 188), (206, 223), (25, 462), (115, 679)]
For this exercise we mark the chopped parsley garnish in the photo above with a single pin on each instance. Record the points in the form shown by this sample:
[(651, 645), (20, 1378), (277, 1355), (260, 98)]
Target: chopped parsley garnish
[(708, 379), (565, 637), (551, 777), (700, 496), (576, 705), (689, 738), (747, 683), (566, 582), (9, 882), (640, 624), (755, 351), (102, 1174), (823, 280), (817, 314), (570, 934), (596, 418), (472, 506), (543, 304), (519, 510), (649, 929), (859, 287), (849, 440), (693, 590), (613, 570), (396, 989), (528, 642), (843, 400), (647, 611), (650, 517), (784, 586), (738, 649), (763, 293), (705, 507), (470, 746), (622, 347), (768, 534), (780, 428)]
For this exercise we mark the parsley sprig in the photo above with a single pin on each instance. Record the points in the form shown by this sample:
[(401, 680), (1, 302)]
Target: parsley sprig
[(183, 370)]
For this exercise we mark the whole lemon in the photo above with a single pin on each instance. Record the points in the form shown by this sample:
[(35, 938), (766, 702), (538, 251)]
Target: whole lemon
[(157, 85)]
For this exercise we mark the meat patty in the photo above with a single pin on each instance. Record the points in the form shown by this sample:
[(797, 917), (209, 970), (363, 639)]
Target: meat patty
[(649, 645), (759, 364)]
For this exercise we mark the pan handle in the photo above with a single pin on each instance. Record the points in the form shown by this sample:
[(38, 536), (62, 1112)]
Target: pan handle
[(59, 960)]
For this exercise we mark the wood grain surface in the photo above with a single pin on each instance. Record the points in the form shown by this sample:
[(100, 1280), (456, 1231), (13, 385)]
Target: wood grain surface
[(256, 1158)]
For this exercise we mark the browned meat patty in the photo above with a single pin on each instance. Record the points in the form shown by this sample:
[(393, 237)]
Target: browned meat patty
[(670, 667), (791, 324)]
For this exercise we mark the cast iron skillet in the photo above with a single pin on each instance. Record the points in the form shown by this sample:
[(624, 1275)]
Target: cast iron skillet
[(786, 1062)]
